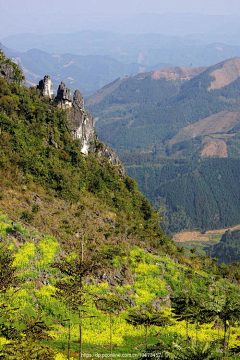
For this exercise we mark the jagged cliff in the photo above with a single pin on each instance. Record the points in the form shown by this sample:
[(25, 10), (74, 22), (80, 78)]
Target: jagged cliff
[(80, 122)]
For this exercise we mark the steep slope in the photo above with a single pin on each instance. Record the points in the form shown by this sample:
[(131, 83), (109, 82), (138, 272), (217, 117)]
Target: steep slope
[(169, 73), (44, 150)]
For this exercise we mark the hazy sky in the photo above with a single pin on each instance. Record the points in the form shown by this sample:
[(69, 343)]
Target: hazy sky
[(123, 6), (42, 16)]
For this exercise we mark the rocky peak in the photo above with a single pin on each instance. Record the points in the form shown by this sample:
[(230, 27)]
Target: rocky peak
[(46, 87), (78, 99), (64, 96)]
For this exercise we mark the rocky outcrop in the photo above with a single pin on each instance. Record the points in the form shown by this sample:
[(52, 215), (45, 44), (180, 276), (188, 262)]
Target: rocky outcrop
[(46, 87), (80, 122), (7, 71), (64, 97), (106, 152)]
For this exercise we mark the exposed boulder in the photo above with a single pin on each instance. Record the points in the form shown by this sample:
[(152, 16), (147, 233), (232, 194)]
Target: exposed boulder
[(46, 87)]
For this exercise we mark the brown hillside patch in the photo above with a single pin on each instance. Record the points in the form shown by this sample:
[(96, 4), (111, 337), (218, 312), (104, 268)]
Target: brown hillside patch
[(177, 72), (229, 72), (214, 148), (220, 122), (197, 236)]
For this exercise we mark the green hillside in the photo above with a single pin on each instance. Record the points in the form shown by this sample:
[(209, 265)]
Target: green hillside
[(84, 266)]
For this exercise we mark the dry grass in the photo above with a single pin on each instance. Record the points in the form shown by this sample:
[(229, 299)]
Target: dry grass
[(177, 72), (228, 73)]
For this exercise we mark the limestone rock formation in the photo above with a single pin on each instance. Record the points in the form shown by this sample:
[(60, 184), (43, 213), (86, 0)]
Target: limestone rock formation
[(64, 97), (46, 87), (80, 122)]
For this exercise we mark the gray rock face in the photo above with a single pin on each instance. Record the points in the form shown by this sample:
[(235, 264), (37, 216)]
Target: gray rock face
[(64, 96), (46, 87), (6, 71), (81, 123), (78, 99)]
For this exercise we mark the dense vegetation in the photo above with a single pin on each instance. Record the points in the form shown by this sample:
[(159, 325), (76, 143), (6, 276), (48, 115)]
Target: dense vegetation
[(228, 249), (84, 265), (194, 195)]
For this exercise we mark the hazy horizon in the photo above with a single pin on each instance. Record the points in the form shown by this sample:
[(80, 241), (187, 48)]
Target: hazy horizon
[(54, 17)]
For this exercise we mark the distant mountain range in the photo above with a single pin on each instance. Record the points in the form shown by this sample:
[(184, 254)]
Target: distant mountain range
[(145, 49), (88, 73), (178, 132), (91, 59)]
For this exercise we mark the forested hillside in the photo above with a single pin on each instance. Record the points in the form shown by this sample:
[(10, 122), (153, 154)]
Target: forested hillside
[(84, 266), (198, 195)]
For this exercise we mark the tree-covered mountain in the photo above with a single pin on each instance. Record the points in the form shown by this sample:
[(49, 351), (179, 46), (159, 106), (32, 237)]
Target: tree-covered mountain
[(81, 250), (162, 119), (228, 249)]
